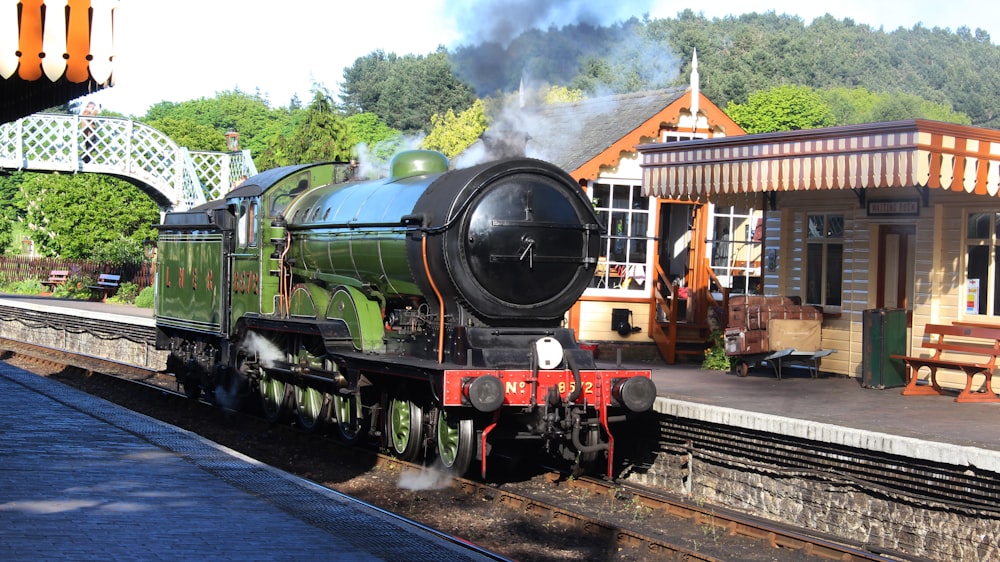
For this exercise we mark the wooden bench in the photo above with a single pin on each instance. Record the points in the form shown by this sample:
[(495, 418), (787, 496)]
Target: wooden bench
[(972, 350), (56, 277), (106, 285)]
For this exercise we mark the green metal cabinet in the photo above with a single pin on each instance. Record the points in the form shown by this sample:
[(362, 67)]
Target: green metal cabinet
[(884, 335)]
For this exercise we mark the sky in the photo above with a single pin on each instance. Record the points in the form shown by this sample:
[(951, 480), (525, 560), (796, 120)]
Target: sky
[(181, 50)]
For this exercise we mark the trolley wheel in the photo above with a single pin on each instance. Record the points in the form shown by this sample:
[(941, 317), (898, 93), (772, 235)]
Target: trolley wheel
[(456, 443), (742, 368), (404, 426)]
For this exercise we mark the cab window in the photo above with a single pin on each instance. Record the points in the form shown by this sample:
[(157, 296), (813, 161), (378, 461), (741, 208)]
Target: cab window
[(246, 232)]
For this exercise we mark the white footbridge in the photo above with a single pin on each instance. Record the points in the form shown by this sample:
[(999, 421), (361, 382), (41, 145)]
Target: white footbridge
[(173, 176)]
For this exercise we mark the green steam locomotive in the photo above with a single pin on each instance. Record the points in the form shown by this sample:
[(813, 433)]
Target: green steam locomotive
[(423, 311)]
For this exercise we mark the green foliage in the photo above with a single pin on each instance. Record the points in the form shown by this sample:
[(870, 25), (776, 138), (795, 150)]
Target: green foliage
[(145, 298), (78, 216), (75, 287), (369, 130), (119, 251), (404, 91), (248, 114), (25, 287), (126, 293), (451, 134), (561, 94), (782, 108), (319, 133), (12, 208), (715, 356), (190, 134), (852, 106)]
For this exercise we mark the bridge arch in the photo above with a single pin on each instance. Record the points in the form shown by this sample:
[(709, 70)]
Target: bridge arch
[(173, 176)]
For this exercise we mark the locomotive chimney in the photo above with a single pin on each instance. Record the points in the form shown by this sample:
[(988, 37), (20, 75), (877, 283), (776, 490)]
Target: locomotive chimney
[(505, 143)]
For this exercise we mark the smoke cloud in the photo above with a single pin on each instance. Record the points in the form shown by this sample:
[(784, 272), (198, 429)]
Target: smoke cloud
[(524, 46), (500, 21)]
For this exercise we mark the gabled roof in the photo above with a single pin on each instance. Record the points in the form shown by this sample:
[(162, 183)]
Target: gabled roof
[(583, 136), (571, 134)]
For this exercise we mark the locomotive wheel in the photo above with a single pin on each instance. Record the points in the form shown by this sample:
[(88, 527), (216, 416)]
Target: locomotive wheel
[(273, 397), (349, 418), (404, 425), (189, 380), (191, 387), (311, 407), (592, 437), (456, 443)]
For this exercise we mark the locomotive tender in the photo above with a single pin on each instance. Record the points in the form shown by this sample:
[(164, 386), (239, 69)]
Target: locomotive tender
[(424, 309)]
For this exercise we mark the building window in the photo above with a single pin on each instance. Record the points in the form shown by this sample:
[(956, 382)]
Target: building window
[(824, 259), (624, 214), (738, 238), (982, 284)]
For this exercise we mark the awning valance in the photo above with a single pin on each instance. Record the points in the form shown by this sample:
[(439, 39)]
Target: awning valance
[(878, 155), (52, 51)]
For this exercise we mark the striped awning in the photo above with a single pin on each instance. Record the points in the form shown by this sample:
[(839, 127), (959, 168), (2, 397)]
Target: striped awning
[(877, 155), (52, 51)]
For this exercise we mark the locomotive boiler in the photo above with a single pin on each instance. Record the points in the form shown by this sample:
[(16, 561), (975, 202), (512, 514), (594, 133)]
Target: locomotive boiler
[(423, 311)]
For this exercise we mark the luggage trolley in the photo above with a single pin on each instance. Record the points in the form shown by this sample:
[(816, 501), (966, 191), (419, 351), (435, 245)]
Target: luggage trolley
[(776, 330)]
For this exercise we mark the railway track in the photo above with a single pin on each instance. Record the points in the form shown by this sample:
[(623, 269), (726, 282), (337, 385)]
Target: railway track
[(630, 519)]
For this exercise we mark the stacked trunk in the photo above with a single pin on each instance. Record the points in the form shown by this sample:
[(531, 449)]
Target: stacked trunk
[(749, 316)]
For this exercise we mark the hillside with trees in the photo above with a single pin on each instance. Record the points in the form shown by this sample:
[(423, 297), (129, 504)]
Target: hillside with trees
[(740, 55)]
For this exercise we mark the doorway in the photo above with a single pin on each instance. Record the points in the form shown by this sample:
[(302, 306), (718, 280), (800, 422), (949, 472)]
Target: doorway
[(894, 280)]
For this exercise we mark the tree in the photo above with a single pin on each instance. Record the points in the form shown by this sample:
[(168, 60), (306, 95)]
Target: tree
[(898, 106), (318, 134), (783, 108), (247, 114), (371, 138), (451, 134), (80, 216), (561, 94), (852, 106), (404, 91), (12, 209), (361, 89), (190, 135)]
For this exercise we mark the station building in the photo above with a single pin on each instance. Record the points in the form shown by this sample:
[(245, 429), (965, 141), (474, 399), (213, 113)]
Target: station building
[(900, 216)]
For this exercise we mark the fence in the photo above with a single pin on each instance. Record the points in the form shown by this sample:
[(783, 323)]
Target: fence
[(21, 268)]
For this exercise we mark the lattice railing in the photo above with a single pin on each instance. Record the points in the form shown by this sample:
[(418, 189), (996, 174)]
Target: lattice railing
[(175, 177), (220, 172)]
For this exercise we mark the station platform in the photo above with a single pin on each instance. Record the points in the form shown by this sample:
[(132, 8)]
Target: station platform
[(831, 408), (834, 409), (84, 479)]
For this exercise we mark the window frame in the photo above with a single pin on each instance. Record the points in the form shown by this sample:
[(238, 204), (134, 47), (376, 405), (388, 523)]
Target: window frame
[(634, 233), (734, 242), (991, 242), (825, 241)]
